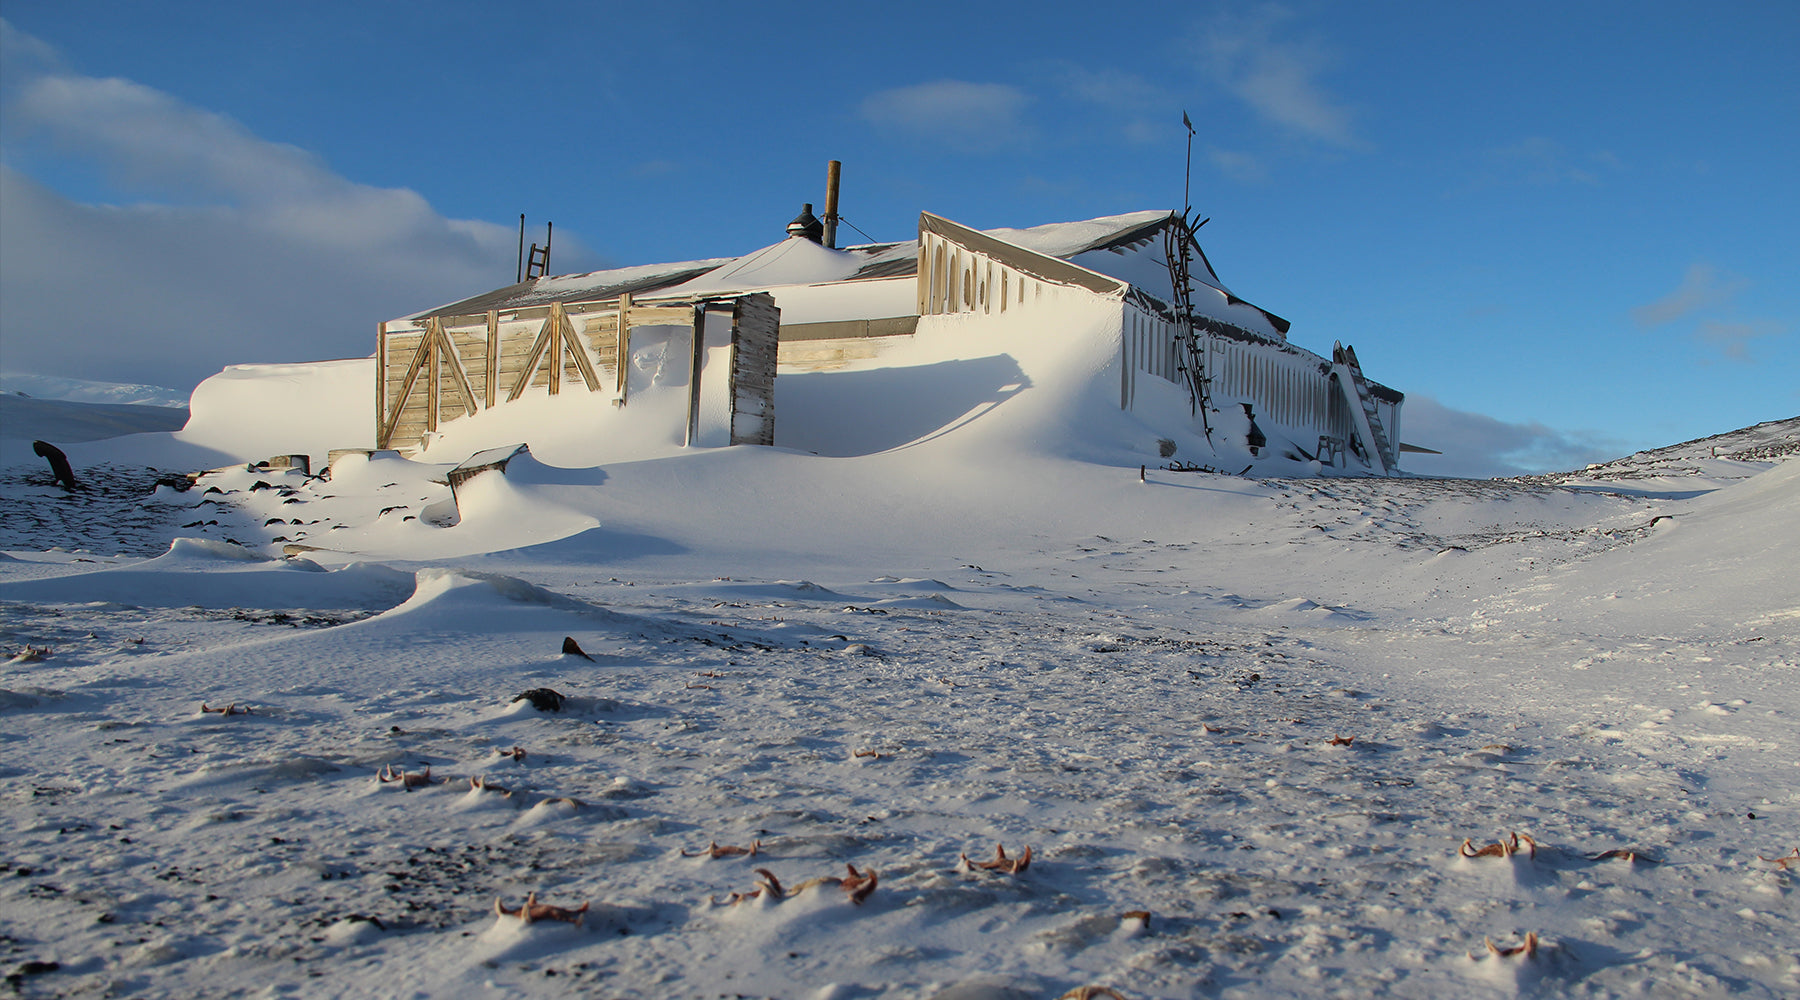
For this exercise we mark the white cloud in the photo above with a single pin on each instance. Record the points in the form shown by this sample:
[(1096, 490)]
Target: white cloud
[(1734, 338), (1479, 446), (1277, 76), (1112, 89), (1701, 287), (243, 250), (969, 117), (1237, 166), (1541, 161), (1135, 109)]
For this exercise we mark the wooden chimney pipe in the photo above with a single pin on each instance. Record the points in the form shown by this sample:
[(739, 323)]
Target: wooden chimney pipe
[(831, 201)]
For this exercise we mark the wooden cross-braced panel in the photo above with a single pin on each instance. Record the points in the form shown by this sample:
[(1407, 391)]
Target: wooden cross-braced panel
[(445, 367)]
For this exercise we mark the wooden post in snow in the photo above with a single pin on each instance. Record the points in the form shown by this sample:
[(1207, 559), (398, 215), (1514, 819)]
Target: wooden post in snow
[(381, 364), (624, 349), (556, 347), (699, 354), (430, 352), (493, 350)]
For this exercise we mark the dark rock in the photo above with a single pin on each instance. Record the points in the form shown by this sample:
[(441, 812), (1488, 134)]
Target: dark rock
[(573, 648), (542, 699), (59, 463)]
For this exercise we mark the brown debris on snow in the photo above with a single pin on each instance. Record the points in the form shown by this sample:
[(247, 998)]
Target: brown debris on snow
[(408, 781), (1000, 862), (481, 784), (857, 885), (1526, 951), (1502, 849), (1622, 854), (231, 709), (716, 850), (1784, 860), (531, 910)]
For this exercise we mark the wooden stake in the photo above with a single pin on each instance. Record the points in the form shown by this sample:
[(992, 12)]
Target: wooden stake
[(433, 331), (624, 355), (381, 363), (493, 348), (699, 351), (555, 323)]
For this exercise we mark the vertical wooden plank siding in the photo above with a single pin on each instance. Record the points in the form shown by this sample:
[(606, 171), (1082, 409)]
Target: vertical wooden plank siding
[(442, 353), (458, 377), (756, 323), (531, 363), (578, 351), (406, 389)]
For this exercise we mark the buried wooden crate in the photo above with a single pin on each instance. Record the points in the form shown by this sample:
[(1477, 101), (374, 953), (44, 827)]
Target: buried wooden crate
[(434, 369)]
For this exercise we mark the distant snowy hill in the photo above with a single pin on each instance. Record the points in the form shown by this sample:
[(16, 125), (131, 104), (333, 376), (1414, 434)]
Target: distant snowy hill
[(76, 390), (73, 411), (1773, 439), (60, 421)]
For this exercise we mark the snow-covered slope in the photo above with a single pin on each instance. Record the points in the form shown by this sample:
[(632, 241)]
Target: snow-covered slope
[(23, 418), (76, 390), (1251, 731)]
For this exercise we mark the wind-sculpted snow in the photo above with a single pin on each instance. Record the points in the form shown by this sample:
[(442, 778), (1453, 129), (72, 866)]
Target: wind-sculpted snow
[(1280, 738), (210, 574)]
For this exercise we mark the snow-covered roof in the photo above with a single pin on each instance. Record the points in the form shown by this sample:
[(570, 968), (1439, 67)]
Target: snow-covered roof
[(1127, 247), (593, 285), (1067, 239)]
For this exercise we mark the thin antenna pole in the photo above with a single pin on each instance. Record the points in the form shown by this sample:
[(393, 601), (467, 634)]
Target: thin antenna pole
[(1187, 178), (549, 231), (521, 276)]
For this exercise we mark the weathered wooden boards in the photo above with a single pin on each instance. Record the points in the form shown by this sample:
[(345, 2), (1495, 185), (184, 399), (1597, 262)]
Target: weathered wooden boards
[(442, 368)]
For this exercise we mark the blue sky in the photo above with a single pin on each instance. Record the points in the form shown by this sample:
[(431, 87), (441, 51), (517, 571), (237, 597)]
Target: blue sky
[(1565, 230)]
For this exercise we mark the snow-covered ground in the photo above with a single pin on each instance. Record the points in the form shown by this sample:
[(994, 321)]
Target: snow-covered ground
[(1244, 727)]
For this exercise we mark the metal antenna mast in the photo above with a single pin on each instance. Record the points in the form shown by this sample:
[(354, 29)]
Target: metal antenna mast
[(1187, 177), (1178, 246)]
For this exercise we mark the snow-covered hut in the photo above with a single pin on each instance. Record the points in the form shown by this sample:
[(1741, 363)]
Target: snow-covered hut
[(722, 329)]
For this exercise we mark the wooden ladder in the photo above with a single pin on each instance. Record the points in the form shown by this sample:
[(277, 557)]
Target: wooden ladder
[(538, 264), (1350, 371)]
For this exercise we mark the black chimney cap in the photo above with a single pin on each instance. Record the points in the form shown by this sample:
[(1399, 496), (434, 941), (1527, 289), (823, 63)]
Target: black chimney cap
[(807, 225)]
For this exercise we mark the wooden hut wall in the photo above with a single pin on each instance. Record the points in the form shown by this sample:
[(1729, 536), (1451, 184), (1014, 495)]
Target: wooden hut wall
[(1150, 345), (756, 331), (962, 270), (1284, 386), (441, 368)]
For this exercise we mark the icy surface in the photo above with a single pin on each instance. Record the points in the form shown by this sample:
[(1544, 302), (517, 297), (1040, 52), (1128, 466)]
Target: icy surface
[(1244, 726)]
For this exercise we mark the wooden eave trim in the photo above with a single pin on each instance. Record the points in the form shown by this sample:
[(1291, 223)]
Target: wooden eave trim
[(1041, 266)]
